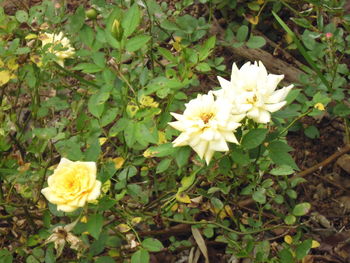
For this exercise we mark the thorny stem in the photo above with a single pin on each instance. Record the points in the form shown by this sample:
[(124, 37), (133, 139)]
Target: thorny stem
[(151, 33)]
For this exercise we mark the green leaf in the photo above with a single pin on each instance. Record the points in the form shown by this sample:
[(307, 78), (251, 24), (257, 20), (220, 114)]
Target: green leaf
[(131, 20), (256, 42), (278, 152), (203, 67), (286, 256), (86, 35), (95, 104), (49, 255), (77, 21), (182, 155), (303, 249), (88, 67), (301, 209), (136, 42), (130, 133), (207, 47), (254, 138), (290, 219), (260, 196), (187, 181), (163, 166), (341, 110), (312, 132), (94, 225), (152, 245), (303, 22), (242, 33), (45, 133), (5, 256), (105, 259), (32, 259), (282, 170), (144, 135), (109, 116), (21, 16), (240, 157), (167, 54), (162, 150), (140, 256)]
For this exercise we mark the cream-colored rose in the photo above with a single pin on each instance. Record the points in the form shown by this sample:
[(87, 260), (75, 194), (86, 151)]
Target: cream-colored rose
[(64, 51), (72, 185)]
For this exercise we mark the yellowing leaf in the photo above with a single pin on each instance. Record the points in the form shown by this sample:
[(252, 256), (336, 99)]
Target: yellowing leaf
[(136, 220), (30, 36), (123, 228), (118, 162), (161, 137), (183, 198), (222, 214), (83, 219), (37, 60), (5, 77), (315, 244), (260, 2), (288, 38), (12, 64), (228, 210), (288, 239), (253, 19), (105, 187), (174, 207), (102, 140)]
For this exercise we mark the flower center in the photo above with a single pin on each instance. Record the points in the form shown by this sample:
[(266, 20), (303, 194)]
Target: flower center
[(252, 100), (206, 117)]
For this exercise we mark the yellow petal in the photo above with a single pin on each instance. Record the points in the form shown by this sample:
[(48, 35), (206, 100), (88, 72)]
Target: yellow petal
[(319, 106), (83, 219), (253, 19)]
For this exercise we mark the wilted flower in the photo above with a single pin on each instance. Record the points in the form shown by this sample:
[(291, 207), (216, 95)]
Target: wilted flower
[(253, 91), (72, 185), (60, 235), (60, 46), (206, 125)]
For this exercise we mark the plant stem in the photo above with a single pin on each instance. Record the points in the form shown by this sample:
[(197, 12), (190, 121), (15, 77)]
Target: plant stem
[(294, 121)]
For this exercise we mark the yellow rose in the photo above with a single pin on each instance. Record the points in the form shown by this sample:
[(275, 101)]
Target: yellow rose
[(72, 185)]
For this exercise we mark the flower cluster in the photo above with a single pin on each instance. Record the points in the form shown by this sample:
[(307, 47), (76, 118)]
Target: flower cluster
[(209, 121), (60, 46)]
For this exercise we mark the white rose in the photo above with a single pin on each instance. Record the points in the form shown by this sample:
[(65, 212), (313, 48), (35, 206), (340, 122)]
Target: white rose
[(252, 91), (206, 125)]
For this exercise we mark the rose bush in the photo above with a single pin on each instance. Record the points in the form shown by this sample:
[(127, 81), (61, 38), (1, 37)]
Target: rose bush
[(72, 185)]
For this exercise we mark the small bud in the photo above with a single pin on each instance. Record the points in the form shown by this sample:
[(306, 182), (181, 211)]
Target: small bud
[(117, 30), (319, 106), (329, 35), (91, 13)]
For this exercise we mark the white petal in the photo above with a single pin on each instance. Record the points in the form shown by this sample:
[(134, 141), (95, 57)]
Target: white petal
[(201, 148), (64, 162), (272, 82), (66, 208), (208, 155), (275, 107), (225, 84), (264, 117), (182, 140), (96, 191), (178, 125), (218, 145), (279, 95)]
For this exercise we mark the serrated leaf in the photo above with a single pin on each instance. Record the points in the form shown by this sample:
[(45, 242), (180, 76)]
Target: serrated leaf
[(137, 42), (152, 245), (94, 225), (254, 138), (131, 20)]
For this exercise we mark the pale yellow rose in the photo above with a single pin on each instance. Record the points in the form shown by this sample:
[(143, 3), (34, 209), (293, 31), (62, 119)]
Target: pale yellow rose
[(72, 185), (65, 51)]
